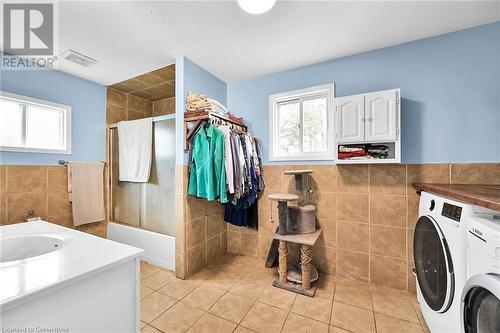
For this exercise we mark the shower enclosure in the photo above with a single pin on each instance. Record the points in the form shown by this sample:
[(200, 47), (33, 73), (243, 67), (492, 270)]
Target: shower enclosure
[(142, 214), (149, 205)]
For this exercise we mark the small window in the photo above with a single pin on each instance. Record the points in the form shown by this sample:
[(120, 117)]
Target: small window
[(301, 124), (32, 125)]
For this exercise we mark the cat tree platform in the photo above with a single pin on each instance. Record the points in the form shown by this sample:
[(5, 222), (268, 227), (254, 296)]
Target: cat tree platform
[(306, 241)]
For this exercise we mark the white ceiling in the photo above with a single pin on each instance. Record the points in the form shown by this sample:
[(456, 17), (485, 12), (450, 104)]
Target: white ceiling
[(132, 38)]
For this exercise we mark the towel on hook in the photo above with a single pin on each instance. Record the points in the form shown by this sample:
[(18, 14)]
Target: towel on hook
[(86, 191), (135, 142)]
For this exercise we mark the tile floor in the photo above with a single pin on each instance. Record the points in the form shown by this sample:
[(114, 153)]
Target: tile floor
[(236, 295)]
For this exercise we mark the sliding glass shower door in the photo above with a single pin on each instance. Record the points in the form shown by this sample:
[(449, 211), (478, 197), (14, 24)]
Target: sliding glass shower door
[(149, 205)]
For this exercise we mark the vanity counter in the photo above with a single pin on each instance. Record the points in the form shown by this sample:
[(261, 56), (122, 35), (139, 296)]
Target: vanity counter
[(487, 196)]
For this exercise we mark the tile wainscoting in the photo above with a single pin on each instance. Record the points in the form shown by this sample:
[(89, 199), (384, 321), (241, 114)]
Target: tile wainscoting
[(367, 213), (42, 188)]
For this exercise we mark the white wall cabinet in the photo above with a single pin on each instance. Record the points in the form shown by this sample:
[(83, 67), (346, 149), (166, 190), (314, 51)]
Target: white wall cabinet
[(350, 114), (381, 116), (371, 118)]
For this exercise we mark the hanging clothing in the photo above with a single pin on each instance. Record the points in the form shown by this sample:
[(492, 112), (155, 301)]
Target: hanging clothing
[(207, 177), (228, 158)]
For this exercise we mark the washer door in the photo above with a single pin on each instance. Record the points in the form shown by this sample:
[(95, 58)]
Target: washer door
[(433, 264), (481, 304)]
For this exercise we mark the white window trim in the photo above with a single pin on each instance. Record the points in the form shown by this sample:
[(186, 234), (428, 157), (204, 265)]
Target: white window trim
[(41, 102), (273, 119)]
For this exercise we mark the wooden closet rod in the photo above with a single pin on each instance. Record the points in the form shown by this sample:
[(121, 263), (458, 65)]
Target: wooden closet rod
[(199, 117)]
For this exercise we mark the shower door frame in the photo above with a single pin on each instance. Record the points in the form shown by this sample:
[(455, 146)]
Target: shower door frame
[(110, 176)]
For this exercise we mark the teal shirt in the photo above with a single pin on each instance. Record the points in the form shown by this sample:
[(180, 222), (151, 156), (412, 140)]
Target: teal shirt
[(207, 178)]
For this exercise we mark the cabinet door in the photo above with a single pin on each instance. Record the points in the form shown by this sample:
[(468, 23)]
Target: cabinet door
[(350, 112), (381, 116)]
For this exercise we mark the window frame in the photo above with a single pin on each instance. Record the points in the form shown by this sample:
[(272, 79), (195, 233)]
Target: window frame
[(25, 101), (300, 95)]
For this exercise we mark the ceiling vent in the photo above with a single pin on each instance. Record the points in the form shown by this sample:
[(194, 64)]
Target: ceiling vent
[(78, 58)]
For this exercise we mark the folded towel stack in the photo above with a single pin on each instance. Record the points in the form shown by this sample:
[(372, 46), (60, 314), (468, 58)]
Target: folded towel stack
[(199, 102), (367, 151)]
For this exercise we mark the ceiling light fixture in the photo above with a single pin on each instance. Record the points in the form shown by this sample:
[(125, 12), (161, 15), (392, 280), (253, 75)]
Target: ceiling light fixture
[(256, 6)]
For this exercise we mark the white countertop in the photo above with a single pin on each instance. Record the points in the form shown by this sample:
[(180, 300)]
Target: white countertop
[(84, 255)]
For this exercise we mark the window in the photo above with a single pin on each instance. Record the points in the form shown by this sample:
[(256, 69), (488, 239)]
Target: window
[(32, 125), (301, 124)]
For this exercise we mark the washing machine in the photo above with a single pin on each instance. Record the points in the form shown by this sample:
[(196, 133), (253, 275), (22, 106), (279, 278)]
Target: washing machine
[(481, 294), (439, 250)]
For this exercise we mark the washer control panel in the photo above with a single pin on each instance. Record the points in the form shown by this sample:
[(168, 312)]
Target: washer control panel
[(451, 211)]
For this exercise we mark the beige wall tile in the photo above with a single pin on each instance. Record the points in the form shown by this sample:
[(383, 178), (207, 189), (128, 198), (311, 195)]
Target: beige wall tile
[(213, 221), (412, 286), (324, 178), (116, 97), (3, 208), (352, 207), (18, 204), (324, 258), (24, 178), (233, 242), (325, 203), (196, 258), (273, 176), (388, 210), (57, 178), (352, 236), (58, 203), (267, 229), (140, 105), (115, 114), (250, 244), (412, 206), (352, 178), (3, 178), (290, 181), (329, 232), (388, 272), (194, 207), (213, 249), (223, 243), (195, 231), (388, 241), (388, 179), (480, 173), (164, 106), (410, 233), (180, 264), (65, 220), (133, 115), (352, 264), (428, 173), (265, 245)]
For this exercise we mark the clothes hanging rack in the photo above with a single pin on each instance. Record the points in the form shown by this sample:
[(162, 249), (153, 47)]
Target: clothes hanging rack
[(198, 117)]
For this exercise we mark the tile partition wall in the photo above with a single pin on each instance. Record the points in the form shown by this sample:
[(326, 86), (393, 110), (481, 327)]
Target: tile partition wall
[(367, 213), (200, 229), (43, 189)]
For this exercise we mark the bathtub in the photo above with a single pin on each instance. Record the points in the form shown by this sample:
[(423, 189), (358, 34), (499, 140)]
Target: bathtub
[(159, 248)]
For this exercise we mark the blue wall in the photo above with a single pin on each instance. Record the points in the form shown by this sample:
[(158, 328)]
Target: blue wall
[(191, 77), (88, 102), (450, 86)]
